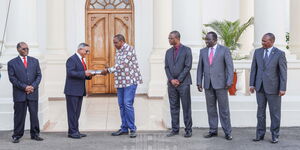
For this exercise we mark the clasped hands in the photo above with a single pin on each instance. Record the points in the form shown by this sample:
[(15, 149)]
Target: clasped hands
[(175, 82), (29, 89)]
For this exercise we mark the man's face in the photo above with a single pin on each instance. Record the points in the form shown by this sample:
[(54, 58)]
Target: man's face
[(84, 51), (117, 43), (172, 39), (267, 42), (23, 50), (209, 40)]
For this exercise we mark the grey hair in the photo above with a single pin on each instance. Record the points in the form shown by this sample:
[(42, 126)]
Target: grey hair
[(82, 45), (120, 37), (19, 44), (176, 33)]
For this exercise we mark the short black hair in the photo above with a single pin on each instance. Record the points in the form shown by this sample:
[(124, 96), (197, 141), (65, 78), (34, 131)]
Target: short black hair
[(120, 37), (176, 33), (271, 35), (214, 35), (19, 44)]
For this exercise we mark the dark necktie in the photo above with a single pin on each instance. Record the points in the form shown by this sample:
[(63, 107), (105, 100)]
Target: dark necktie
[(176, 52), (266, 57)]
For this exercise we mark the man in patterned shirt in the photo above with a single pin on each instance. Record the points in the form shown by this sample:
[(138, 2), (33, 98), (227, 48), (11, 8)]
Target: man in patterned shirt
[(127, 77)]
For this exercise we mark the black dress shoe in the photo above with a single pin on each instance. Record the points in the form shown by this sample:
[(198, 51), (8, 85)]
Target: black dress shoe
[(132, 134), (188, 134), (274, 140), (82, 135), (228, 137), (119, 132), (37, 138), (258, 139), (209, 135), (75, 136), (172, 133), (15, 140)]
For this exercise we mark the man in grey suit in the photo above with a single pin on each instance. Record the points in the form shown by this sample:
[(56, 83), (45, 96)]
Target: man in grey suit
[(268, 78), (178, 63), (215, 67)]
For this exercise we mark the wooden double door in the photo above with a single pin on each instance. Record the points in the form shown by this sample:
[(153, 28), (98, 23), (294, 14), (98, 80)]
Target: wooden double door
[(100, 30)]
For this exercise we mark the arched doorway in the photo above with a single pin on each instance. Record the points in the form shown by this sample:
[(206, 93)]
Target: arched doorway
[(104, 19)]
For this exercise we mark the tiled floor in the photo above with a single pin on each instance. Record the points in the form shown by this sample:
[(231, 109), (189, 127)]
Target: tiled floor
[(101, 113)]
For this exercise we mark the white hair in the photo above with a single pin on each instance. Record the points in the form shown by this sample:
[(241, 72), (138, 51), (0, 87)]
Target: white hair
[(82, 45)]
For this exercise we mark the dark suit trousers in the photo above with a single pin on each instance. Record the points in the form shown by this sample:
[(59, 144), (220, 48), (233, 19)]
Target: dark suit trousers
[(73, 110), (175, 94), (20, 110), (274, 101), (220, 96)]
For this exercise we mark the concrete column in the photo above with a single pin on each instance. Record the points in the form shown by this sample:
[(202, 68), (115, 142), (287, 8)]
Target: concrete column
[(246, 39), (22, 26), (271, 18), (189, 21), (162, 19), (56, 51), (295, 27)]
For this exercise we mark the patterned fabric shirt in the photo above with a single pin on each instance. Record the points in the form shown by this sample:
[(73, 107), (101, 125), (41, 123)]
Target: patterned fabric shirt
[(126, 69)]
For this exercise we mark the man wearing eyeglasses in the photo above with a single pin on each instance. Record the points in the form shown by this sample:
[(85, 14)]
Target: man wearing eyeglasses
[(25, 75), (74, 91)]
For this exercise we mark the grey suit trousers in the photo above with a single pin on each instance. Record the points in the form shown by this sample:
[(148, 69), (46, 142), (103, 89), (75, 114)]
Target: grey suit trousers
[(274, 102), (175, 95), (220, 96)]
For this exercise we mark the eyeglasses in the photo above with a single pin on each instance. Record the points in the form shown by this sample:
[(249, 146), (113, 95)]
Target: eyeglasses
[(25, 49)]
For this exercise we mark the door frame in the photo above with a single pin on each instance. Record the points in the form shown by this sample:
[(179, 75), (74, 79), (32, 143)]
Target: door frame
[(108, 11)]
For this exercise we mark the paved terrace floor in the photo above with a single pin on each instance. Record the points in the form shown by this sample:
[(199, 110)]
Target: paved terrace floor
[(154, 140)]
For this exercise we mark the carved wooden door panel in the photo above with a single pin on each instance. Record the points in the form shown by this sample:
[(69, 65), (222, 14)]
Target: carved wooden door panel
[(101, 29)]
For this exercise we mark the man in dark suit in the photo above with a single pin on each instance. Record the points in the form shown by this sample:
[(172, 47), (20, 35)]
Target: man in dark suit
[(77, 73), (178, 63), (25, 75), (268, 78), (215, 67)]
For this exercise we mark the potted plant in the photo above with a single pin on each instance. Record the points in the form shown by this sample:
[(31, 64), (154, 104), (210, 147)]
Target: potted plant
[(230, 33)]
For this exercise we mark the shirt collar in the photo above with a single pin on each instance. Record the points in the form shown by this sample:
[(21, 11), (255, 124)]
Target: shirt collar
[(22, 57), (270, 49), (124, 45), (215, 47), (79, 56), (176, 47)]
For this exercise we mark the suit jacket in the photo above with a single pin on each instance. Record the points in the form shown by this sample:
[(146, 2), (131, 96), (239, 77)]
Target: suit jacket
[(273, 76), (75, 79), (20, 77), (179, 68), (219, 73)]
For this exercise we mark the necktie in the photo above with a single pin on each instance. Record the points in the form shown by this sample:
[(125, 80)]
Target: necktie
[(176, 52), (83, 63), (211, 55), (25, 62), (266, 57)]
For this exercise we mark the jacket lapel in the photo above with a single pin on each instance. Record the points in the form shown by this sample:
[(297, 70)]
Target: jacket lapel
[(179, 52), (206, 55), (217, 51), (271, 56), (20, 63), (78, 61)]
